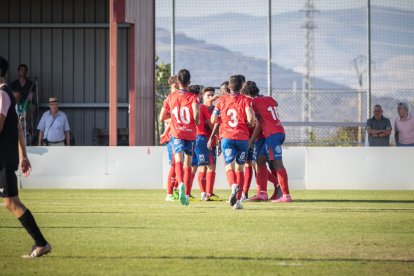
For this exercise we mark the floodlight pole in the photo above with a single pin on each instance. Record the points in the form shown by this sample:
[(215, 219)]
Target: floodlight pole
[(369, 60), (172, 33), (269, 48)]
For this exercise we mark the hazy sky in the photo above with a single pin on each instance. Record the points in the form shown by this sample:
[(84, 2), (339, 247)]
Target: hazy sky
[(258, 7)]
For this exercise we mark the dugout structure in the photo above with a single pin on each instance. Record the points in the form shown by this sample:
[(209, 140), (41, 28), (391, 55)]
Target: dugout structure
[(96, 56)]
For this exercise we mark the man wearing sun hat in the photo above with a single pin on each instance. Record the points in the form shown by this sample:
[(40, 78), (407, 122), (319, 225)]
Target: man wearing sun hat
[(54, 127)]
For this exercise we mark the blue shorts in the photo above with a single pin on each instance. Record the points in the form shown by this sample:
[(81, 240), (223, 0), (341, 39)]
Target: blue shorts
[(234, 149), (179, 145), (170, 152), (256, 149), (251, 153), (273, 145), (202, 155)]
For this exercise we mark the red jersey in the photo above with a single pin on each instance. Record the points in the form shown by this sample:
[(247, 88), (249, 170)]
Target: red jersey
[(233, 118), (265, 107), (202, 128), (209, 131), (179, 105)]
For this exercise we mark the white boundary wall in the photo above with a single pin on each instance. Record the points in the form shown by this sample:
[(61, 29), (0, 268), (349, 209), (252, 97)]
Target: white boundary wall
[(147, 168)]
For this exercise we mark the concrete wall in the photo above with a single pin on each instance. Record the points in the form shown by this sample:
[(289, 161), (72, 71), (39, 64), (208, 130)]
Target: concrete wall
[(147, 168)]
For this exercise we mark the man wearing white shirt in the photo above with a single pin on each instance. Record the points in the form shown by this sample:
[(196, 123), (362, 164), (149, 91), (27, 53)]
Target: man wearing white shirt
[(404, 127), (54, 129)]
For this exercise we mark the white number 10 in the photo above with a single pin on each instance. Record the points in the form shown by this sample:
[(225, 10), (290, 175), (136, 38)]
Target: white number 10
[(272, 109), (183, 113)]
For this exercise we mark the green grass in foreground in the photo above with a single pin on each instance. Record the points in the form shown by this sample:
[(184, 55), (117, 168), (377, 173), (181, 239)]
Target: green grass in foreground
[(136, 232)]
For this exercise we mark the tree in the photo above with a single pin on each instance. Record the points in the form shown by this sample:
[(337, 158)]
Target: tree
[(162, 73)]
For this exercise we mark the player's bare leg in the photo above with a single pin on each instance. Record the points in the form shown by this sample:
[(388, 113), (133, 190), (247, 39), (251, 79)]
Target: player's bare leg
[(15, 206)]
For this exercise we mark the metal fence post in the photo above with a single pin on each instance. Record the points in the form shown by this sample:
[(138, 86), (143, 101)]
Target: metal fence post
[(269, 48), (172, 33), (369, 59)]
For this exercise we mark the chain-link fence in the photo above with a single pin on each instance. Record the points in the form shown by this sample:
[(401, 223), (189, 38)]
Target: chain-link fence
[(327, 62), (334, 117)]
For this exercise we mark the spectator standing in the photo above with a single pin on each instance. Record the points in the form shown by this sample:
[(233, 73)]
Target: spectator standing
[(378, 128), (26, 88), (404, 127), (23, 84), (54, 127)]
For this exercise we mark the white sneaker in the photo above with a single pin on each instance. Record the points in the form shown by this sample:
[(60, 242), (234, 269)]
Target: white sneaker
[(238, 205), (169, 198), (233, 196), (38, 251), (203, 196)]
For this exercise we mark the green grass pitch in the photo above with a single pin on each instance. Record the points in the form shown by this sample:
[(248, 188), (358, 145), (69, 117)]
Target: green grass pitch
[(123, 232)]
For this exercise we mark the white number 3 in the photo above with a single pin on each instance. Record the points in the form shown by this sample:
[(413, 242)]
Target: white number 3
[(233, 117)]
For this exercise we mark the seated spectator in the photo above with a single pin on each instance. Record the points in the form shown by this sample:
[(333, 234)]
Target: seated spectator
[(379, 129), (53, 127), (404, 127)]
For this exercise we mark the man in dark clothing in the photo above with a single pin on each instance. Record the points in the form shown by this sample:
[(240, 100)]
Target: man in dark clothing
[(12, 148), (27, 90), (22, 84), (379, 129)]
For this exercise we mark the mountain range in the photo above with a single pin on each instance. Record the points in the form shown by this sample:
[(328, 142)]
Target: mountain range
[(216, 46)]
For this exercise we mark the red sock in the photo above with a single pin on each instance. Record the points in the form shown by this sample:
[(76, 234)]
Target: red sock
[(211, 176), (192, 181), (171, 179), (283, 179), (174, 178), (231, 177), (179, 172), (263, 175), (202, 181), (240, 182), (272, 177), (256, 175), (248, 174), (187, 180)]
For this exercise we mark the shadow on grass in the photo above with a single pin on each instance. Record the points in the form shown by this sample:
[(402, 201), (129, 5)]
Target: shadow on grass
[(354, 201), (235, 258), (83, 227)]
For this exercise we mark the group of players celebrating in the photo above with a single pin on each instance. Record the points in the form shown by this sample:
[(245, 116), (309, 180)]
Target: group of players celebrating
[(250, 136)]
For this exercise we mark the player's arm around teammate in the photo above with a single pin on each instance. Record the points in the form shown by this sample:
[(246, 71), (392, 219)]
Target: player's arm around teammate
[(274, 133)]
